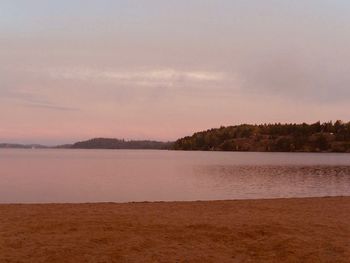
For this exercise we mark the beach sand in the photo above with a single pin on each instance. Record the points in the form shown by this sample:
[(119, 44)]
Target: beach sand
[(280, 230)]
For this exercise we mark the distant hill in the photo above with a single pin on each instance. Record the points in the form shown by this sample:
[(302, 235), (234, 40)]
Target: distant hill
[(317, 137), (106, 143), (22, 146), (63, 146)]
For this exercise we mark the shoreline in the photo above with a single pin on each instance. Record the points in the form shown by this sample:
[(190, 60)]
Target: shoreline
[(178, 201), (171, 150), (311, 229)]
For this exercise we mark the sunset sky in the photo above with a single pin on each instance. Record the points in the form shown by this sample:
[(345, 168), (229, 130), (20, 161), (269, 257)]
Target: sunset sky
[(155, 69)]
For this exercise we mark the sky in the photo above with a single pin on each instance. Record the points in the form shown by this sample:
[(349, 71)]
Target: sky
[(154, 69)]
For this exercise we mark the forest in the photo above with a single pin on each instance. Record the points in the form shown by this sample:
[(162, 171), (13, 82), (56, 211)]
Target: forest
[(107, 143), (316, 137)]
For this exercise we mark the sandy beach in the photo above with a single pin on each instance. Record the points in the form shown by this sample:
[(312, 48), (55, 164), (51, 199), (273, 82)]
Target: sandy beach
[(280, 230)]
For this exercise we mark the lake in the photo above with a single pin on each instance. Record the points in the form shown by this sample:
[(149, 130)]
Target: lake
[(46, 176)]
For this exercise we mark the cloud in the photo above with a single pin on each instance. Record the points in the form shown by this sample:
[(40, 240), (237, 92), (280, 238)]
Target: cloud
[(138, 77), (51, 107), (29, 98), (318, 75)]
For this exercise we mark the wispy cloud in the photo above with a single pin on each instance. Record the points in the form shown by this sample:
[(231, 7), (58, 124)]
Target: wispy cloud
[(51, 107), (29, 98), (137, 77)]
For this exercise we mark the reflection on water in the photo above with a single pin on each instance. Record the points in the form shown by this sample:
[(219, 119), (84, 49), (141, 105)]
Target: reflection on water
[(135, 175), (268, 181)]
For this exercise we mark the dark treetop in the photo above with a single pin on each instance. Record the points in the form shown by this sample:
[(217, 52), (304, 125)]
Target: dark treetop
[(105, 143), (317, 137)]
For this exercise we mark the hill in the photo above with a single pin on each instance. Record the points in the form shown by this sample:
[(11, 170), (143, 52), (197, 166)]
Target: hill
[(106, 143), (316, 137), (22, 146)]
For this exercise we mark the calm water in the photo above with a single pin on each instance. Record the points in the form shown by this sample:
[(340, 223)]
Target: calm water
[(38, 176)]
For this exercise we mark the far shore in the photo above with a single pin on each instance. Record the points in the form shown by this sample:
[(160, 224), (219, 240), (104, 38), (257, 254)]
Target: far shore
[(275, 230)]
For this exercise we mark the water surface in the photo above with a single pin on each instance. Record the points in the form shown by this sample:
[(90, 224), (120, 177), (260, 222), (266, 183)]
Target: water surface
[(45, 176)]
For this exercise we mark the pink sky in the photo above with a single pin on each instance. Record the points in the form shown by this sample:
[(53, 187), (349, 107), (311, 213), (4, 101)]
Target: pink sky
[(166, 69)]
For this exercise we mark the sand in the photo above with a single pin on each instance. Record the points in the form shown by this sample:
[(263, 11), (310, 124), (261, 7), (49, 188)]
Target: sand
[(280, 230)]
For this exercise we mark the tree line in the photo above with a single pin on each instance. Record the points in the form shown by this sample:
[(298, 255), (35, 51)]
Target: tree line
[(316, 137), (108, 143)]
